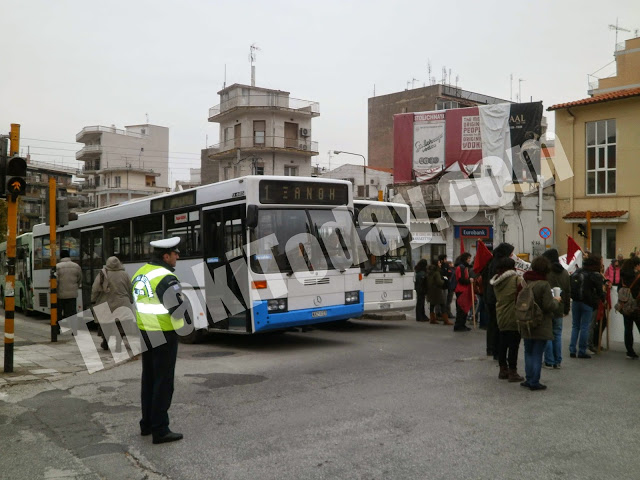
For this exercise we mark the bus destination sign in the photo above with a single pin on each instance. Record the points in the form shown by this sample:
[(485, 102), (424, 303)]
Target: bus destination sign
[(302, 193)]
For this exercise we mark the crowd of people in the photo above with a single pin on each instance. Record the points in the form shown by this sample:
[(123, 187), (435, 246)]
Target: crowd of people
[(512, 306)]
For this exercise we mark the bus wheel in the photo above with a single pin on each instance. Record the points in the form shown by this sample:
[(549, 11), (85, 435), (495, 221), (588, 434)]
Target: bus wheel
[(195, 336), (23, 302)]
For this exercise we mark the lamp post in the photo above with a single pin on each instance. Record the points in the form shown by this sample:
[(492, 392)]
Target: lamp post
[(503, 228), (364, 166)]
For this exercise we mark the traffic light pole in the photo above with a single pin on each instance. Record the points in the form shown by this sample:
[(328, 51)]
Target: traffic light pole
[(52, 255), (9, 292), (589, 231)]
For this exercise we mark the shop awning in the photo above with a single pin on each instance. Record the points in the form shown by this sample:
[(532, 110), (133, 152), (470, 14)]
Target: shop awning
[(598, 216)]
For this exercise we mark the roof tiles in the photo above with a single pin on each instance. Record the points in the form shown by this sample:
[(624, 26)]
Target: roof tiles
[(595, 214), (605, 97)]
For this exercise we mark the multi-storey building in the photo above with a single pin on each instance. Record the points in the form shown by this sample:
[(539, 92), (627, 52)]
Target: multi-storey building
[(262, 132), (120, 165), (600, 137), (32, 206), (377, 179), (194, 180), (434, 97)]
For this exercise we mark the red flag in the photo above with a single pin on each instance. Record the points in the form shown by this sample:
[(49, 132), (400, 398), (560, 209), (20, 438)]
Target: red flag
[(572, 248), (483, 256), (461, 245)]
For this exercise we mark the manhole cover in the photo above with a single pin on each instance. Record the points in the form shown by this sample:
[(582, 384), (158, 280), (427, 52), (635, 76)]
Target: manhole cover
[(212, 354)]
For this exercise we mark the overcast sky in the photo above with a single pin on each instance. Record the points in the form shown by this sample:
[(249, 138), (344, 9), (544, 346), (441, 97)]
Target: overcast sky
[(68, 64)]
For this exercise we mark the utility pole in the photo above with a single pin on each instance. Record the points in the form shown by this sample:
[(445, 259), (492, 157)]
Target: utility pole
[(53, 280), (589, 230), (14, 169)]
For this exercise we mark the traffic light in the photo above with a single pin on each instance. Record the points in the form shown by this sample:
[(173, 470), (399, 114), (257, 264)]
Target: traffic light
[(4, 149), (582, 230), (62, 211), (15, 173)]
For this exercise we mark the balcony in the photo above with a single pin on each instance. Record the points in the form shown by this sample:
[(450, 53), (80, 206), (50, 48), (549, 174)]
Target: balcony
[(265, 102), (271, 143), (89, 151), (96, 130)]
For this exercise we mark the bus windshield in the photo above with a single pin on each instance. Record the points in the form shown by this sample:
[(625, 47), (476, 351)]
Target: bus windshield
[(314, 239), (397, 257)]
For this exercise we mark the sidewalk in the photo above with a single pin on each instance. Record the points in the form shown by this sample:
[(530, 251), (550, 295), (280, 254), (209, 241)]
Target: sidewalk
[(35, 357)]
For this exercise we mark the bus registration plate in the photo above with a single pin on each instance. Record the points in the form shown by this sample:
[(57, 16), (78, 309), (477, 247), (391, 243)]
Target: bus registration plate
[(385, 305), (319, 313)]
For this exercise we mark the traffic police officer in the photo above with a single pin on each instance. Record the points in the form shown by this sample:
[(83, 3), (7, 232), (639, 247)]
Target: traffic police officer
[(158, 317)]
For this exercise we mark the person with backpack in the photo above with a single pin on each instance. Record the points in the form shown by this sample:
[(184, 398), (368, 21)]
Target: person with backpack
[(462, 281), (557, 277), (421, 289), (630, 278), (434, 293), (535, 308), (503, 250), (507, 284), (586, 291)]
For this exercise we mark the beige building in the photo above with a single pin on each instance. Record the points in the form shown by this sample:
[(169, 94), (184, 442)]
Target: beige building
[(120, 165), (262, 132), (377, 179), (600, 136)]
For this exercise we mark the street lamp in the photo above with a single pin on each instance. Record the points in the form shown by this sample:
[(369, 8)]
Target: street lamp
[(364, 166), (503, 228)]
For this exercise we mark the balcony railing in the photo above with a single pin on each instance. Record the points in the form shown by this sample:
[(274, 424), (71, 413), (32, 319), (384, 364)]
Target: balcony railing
[(101, 129), (280, 102), (88, 150), (301, 144)]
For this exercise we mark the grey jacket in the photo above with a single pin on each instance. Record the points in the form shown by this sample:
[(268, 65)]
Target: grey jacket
[(113, 286), (69, 276)]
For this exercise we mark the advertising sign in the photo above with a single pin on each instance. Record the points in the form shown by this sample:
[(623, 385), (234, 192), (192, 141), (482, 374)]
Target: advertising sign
[(428, 144)]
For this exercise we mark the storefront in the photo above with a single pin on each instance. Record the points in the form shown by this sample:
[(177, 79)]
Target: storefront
[(466, 237)]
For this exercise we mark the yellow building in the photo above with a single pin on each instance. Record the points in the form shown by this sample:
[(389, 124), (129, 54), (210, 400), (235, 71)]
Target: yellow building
[(600, 136)]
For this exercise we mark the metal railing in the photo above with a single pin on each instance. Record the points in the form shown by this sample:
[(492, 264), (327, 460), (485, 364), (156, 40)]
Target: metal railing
[(266, 142), (101, 129), (267, 101)]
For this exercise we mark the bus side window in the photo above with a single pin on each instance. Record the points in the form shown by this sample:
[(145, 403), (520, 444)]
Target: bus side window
[(185, 225), (145, 230), (118, 240)]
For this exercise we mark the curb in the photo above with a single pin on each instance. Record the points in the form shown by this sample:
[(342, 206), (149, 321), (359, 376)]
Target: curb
[(382, 316)]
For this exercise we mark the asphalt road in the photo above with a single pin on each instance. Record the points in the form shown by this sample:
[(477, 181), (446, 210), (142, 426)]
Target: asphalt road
[(369, 400)]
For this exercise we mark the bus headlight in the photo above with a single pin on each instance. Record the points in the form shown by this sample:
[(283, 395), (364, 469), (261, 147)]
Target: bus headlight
[(351, 297), (407, 294), (276, 306)]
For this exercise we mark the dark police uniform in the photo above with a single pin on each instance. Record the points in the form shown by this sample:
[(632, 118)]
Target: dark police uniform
[(157, 324)]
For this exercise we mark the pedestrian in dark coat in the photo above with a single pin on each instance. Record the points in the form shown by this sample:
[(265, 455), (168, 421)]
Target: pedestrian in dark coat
[(536, 339), (434, 293), (420, 280), (504, 250), (628, 273), (557, 277)]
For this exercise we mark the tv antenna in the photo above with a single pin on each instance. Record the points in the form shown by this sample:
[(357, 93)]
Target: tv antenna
[(252, 58), (429, 71), (618, 28), (520, 80)]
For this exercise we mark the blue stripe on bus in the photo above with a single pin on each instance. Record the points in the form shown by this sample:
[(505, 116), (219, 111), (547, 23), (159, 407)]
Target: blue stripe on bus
[(264, 321)]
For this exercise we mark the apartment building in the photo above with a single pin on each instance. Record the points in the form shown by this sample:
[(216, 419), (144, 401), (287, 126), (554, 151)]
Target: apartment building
[(374, 180), (600, 136), (262, 132), (32, 206), (120, 165), (382, 108)]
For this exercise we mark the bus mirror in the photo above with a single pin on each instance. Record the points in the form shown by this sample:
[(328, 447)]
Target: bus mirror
[(20, 254), (252, 216)]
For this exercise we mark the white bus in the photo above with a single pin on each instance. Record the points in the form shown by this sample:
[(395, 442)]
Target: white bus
[(383, 228), (23, 287), (257, 253)]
